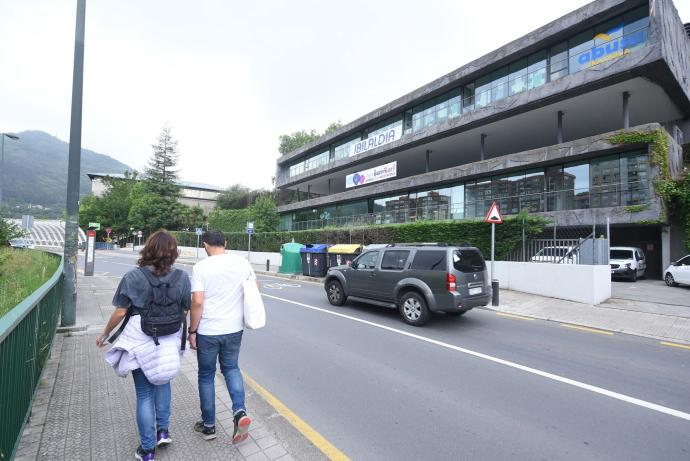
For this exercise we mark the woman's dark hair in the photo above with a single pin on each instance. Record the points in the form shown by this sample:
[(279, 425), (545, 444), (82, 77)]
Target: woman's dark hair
[(160, 251)]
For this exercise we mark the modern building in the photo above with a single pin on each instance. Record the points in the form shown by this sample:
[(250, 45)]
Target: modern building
[(528, 125), (191, 193)]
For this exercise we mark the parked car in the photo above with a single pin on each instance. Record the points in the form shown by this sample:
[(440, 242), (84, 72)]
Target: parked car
[(21, 243), (628, 262), (678, 272), (557, 254), (415, 279)]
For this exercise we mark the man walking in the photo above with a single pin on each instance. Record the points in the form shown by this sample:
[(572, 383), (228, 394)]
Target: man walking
[(215, 331)]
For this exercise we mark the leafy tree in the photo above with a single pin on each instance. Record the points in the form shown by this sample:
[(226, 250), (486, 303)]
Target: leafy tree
[(150, 212), (297, 139), (8, 231), (234, 197), (189, 218), (264, 214), (333, 127), (161, 172)]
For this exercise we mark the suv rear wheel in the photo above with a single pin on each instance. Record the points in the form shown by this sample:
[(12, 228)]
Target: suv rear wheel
[(413, 309), (336, 295)]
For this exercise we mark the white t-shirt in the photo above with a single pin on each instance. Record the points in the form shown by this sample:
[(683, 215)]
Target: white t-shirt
[(220, 277)]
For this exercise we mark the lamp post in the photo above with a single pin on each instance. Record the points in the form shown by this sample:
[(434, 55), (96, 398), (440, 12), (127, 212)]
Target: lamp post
[(2, 160)]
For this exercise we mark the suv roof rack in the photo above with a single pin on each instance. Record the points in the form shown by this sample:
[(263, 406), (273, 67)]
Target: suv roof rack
[(418, 244)]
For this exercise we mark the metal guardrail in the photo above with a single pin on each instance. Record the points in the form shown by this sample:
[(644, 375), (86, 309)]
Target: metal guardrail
[(26, 336)]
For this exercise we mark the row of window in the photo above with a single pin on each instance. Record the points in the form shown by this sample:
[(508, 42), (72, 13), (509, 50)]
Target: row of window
[(593, 46), (616, 180)]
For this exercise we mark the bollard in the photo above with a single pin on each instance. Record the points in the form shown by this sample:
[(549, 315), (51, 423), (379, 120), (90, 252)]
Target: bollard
[(268, 265), (494, 292)]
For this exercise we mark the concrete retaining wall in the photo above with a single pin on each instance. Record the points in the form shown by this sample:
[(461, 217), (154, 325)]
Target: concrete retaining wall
[(573, 282), (256, 257)]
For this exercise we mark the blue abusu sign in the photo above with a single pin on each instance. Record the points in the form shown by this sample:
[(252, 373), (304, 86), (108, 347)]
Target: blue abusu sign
[(378, 140), (614, 48)]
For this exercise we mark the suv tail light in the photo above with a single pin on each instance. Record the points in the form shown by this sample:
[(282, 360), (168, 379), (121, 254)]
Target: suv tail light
[(450, 282)]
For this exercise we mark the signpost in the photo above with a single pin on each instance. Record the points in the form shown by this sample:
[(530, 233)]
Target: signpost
[(140, 234), (493, 217), (90, 252), (95, 226), (108, 230), (199, 231), (250, 231)]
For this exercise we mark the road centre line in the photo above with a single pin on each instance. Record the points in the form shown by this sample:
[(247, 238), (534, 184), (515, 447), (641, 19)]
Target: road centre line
[(326, 447), (544, 374), (590, 330), (513, 316), (682, 346)]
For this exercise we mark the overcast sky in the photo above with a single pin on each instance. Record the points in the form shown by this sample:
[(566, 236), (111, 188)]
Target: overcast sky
[(229, 77)]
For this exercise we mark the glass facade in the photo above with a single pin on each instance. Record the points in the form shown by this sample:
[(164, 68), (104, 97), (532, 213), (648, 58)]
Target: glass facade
[(614, 180), (609, 40)]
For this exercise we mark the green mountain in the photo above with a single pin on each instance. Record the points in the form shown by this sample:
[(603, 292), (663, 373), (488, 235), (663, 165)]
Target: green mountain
[(36, 172)]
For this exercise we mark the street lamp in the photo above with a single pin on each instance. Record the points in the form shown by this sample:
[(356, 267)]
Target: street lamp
[(2, 159)]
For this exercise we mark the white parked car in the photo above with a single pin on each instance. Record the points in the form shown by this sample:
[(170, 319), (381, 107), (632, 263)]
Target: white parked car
[(559, 254), (678, 272), (628, 262)]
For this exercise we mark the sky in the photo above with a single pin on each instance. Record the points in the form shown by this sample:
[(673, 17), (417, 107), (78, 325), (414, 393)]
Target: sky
[(230, 77)]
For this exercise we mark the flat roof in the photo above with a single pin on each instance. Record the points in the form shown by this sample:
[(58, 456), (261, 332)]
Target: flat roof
[(185, 184)]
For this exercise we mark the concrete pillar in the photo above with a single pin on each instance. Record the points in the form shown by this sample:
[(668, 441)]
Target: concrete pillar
[(560, 126), (482, 152), (308, 191), (626, 110), (665, 248), (428, 152), (330, 186)]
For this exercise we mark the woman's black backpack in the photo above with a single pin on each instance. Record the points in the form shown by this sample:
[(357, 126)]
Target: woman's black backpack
[(162, 315)]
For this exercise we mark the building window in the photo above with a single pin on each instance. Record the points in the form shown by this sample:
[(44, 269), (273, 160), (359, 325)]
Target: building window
[(558, 61), (605, 181), (345, 149), (634, 178), (537, 69), (517, 78)]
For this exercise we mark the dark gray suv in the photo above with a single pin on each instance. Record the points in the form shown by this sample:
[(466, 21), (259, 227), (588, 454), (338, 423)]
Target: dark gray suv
[(416, 279)]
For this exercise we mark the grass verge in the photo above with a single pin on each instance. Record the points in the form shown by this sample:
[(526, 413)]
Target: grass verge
[(21, 273)]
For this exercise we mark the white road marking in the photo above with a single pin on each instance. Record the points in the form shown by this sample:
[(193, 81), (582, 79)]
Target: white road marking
[(544, 374), (280, 286)]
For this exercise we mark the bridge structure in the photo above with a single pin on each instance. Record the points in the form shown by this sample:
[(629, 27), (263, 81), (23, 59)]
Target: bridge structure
[(48, 233)]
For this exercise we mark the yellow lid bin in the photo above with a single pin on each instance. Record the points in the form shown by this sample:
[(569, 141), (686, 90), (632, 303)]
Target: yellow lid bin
[(342, 255)]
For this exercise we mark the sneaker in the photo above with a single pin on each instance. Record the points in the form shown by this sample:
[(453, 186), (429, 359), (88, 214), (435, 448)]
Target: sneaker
[(241, 431), (144, 455), (208, 433), (163, 438)]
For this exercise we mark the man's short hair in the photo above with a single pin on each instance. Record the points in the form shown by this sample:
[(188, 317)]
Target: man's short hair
[(213, 238)]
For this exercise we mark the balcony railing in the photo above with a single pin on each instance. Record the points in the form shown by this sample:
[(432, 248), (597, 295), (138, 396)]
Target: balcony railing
[(632, 193)]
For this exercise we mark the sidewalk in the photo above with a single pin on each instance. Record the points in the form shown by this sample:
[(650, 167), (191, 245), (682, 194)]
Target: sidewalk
[(83, 410), (631, 317)]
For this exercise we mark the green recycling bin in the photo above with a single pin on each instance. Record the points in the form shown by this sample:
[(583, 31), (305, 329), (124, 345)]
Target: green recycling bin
[(291, 261)]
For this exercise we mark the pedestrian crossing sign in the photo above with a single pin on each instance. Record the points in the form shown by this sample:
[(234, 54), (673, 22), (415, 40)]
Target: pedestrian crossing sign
[(494, 215)]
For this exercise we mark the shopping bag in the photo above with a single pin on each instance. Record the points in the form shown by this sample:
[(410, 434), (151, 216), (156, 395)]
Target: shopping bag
[(254, 311)]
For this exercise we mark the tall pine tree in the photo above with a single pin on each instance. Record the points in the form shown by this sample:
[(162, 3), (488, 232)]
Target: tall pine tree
[(161, 171)]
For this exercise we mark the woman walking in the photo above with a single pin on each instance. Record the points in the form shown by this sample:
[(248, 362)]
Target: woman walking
[(153, 299)]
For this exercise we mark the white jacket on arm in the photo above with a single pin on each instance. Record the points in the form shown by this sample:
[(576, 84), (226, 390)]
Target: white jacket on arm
[(135, 349)]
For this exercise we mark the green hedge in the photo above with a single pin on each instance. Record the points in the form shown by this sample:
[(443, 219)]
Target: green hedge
[(475, 232), (229, 220)]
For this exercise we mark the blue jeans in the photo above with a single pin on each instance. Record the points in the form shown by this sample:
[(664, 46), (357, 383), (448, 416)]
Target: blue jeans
[(153, 408), (226, 350)]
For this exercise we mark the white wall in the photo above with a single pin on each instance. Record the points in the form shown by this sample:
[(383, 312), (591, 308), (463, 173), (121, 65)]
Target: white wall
[(256, 257), (574, 282)]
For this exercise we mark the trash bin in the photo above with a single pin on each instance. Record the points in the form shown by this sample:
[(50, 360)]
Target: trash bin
[(290, 259), (342, 255), (314, 259)]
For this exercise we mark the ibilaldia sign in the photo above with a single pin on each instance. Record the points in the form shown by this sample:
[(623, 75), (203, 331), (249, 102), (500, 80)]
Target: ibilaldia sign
[(377, 140), (378, 173)]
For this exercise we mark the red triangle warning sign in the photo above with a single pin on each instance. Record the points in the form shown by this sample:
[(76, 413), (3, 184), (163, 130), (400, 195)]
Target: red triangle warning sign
[(494, 215)]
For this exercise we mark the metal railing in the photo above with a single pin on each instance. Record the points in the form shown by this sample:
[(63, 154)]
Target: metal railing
[(609, 195), (26, 336)]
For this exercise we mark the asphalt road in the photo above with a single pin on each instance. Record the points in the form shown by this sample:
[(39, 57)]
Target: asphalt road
[(483, 386)]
